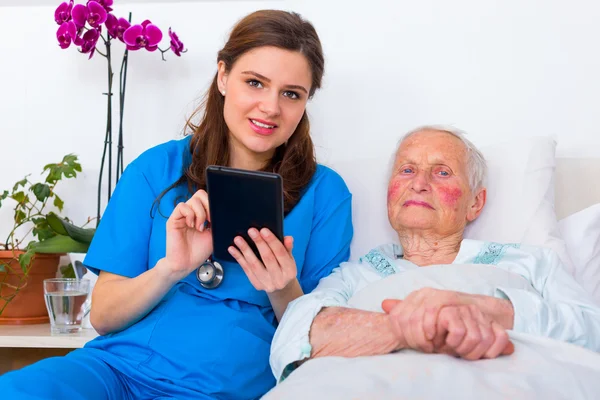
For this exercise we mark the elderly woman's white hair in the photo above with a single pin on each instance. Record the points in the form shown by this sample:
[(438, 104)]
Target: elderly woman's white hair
[(476, 164)]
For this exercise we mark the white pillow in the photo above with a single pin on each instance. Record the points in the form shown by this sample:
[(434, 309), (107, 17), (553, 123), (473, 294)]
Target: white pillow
[(520, 203), (582, 236)]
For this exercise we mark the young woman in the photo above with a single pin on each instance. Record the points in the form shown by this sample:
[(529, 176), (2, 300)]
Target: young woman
[(164, 335)]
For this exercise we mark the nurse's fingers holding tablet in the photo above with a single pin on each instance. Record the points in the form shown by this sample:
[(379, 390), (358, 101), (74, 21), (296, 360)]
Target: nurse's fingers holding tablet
[(274, 253), (277, 268)]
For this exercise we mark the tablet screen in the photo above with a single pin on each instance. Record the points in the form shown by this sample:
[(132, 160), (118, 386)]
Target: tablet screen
[(240, 200)]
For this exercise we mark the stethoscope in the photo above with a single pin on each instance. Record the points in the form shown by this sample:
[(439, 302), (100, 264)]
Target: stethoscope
[(210, 274)]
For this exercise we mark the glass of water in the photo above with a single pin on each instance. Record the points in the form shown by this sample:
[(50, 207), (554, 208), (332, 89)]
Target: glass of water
[(66, 303)]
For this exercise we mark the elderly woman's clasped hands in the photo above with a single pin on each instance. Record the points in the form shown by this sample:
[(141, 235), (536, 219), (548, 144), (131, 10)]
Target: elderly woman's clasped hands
[(442, 321)]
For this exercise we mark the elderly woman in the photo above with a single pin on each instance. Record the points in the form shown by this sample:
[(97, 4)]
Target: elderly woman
[(435, 190)]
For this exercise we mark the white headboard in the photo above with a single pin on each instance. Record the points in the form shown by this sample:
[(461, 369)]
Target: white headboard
[(576, 184)]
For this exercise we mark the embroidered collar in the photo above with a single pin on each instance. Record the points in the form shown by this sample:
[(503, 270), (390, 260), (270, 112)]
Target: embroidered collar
[(384, 258)]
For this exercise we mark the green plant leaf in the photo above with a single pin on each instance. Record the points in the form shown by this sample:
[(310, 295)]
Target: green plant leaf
[(67, 271), (67, 168), (70, 159), (2, 267), (64, 227), (25, 259), (3, 196), (19, 216), (55, 222), (41, 191), (19, 197), (59, 244), (6, 266), (58, 203), (42, 229), (68, 172), (22, 183), (53, 176), (43, 232), (53, 173)]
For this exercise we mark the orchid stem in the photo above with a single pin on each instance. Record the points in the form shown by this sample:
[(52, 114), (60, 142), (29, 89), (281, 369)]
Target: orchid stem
[(162, 54), (108, 137), (122, 85)]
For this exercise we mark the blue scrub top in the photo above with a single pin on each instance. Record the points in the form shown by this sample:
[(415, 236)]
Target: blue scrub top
[(214, 342)]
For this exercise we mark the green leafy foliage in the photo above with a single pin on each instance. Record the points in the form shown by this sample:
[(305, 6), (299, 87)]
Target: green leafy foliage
[(41, 191), (68, 168), (64, 227), (19, 197), (51, 233), (21, 183), (30, 201), (59, 244), (67, 271), (58, 203), (3, 197), (42, 229), (20, 216), (25, 260)]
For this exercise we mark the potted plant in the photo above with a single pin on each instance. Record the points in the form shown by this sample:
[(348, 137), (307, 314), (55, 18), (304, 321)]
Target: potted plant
[(37, 239)]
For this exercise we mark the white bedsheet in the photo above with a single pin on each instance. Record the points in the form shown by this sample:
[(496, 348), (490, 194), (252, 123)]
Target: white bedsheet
[(540, 368)]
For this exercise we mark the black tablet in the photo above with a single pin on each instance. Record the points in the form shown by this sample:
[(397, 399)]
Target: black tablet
[(240, 200)]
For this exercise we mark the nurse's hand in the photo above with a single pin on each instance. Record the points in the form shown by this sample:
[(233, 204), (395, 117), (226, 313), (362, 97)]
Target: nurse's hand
[(189, 243), (276, 275), (278, 268)]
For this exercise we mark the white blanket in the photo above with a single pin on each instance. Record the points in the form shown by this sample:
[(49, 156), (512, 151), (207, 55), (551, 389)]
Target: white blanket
[(540, 368), (467, 278)]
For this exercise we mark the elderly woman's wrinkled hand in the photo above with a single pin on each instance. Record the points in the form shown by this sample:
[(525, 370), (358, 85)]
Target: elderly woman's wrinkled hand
[(466, 332), (417, 314), (441, 321)]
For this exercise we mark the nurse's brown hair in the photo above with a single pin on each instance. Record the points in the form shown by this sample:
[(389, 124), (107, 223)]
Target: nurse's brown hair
[(295, 160)]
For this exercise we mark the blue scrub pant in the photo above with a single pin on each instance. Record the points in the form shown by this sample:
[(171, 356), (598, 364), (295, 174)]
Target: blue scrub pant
[(78, 375)]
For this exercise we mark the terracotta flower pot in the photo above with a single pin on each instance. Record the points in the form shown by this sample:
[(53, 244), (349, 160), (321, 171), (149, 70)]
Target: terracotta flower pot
[(28, 306)]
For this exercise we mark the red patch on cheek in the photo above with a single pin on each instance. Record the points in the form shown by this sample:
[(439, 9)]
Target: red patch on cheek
[(393, 189), (450, 195)]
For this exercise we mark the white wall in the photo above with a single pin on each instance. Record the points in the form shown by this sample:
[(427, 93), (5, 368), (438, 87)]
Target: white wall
[(498, 69)]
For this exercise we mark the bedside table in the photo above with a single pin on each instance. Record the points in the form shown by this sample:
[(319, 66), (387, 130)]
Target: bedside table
[(21, 345)]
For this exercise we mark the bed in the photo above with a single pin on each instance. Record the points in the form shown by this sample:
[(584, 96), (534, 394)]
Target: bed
[(535, 198)]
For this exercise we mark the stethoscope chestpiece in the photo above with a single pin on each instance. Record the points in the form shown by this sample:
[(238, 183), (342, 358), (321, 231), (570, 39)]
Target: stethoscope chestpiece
[(210, 274)]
